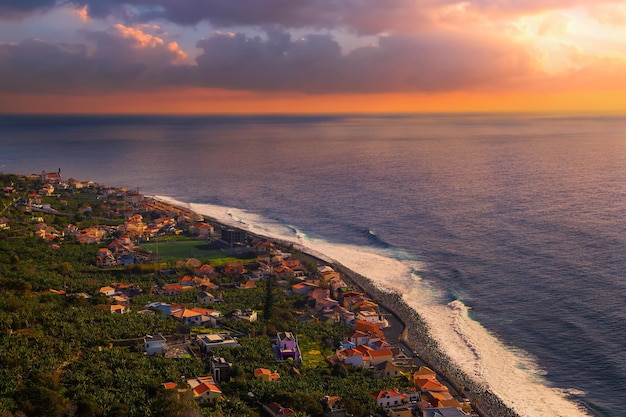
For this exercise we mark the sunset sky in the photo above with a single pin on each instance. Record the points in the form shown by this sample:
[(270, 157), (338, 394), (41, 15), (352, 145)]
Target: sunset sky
[(311, 56)]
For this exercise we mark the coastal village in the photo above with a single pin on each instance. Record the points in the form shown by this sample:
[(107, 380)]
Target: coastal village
[(250, 326)]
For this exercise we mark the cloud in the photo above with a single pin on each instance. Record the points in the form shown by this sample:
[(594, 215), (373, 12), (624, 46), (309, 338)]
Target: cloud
[(82, 13), (606, 14), (314, 64), (362, 16), (119, 59), (18, 9), (130, 59), (554, 24)]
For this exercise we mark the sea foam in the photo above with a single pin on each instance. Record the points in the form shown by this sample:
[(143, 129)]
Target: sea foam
[(509, 373)]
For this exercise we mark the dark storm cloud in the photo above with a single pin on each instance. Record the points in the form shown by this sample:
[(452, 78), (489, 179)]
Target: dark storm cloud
[(111, 62), (314, 64), (15, 9), (365, 16), (127, 59)]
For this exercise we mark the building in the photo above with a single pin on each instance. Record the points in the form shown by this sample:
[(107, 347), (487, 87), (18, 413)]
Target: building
[(233, 236), (154, 345), (212, 340), (287, 345), (220, 369), (204, 389)]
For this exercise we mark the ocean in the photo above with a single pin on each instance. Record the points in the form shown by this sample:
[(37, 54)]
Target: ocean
[(506, 233)]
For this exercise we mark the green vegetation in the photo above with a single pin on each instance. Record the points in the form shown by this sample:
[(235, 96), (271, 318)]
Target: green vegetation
[(181, 249), (60, 355)]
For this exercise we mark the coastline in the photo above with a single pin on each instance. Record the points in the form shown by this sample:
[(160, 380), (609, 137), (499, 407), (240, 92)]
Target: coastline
[(414, 335)]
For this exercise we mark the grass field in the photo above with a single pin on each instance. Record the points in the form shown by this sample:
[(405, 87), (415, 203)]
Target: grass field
[(182, 249), (312, 356)]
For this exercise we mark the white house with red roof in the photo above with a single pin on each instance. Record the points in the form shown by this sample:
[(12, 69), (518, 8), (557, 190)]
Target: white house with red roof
[(390, 398), (204, 388)]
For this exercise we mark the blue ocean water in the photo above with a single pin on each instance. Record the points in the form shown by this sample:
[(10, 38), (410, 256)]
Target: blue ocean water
[(507, 232)]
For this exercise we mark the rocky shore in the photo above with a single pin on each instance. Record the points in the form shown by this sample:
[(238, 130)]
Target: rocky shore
[(415, 337)]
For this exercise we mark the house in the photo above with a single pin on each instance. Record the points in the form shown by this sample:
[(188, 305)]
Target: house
[(327, 273), (378, 356), (204, 389), (303, 288), (352, 356), (212, 340), (121, 299), (202, 229), (277, 410), (220, 369), (204, 270), (207, 298), (47, 189), (108, 291), (127, 258), (358, 337), (266, 375), (441, 399), (186, 281), (372, 317), (130, 290), (209, 317), (390, 397), (234, 269), (113, 309), (249, 284), (105, 261), (133, 197), (187, 317), (164, 308), (287, 345), (333, 407), (424, 372), (154, 345), (426, 380), (172, 289), (387, 369), (369, 327), (283, 272), (264, 247)]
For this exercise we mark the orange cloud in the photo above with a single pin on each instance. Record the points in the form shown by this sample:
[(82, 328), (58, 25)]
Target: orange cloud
[(82, 13)]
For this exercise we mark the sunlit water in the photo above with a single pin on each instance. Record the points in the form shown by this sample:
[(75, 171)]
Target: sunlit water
[(506, 234)]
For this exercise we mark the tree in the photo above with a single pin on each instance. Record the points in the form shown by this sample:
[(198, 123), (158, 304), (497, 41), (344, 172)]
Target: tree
[(269, 299), (171, 403), (86, 406)]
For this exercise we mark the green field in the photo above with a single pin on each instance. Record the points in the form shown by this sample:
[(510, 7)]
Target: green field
[(313, 354), (182, 249)]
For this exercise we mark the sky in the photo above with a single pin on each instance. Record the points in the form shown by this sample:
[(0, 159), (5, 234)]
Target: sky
[(311, 56)]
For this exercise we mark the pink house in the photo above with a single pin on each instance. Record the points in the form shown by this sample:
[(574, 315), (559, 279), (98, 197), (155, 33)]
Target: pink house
[(287, 346)]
